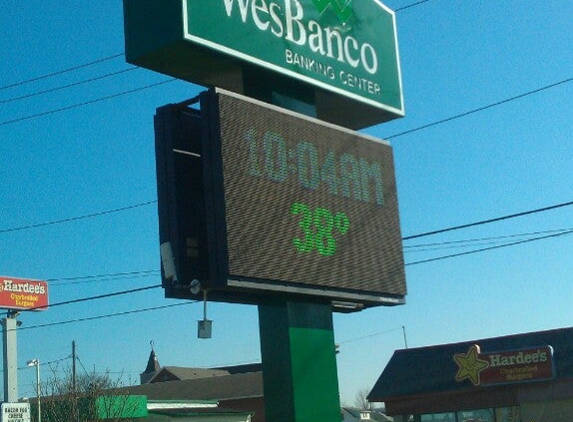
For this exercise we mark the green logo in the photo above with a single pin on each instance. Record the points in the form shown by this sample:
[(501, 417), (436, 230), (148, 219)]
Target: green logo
[(343, 12)]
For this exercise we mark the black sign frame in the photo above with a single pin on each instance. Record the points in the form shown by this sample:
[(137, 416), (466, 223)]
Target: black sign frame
[(200, 250)]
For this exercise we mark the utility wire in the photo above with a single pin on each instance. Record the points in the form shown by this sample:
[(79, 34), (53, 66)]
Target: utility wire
[(129, 207), (103, 277), (81, 217), (97, 100), (136, 311), (59, 88), (193, 302), (425, 261), (60, 72), (477, 110), (482, 239), (103, 296), (491, 220), (436, 246), (370, 335), (411, 5)]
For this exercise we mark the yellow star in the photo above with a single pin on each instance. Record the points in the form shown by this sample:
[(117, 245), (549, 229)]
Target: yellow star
[(470, 365)]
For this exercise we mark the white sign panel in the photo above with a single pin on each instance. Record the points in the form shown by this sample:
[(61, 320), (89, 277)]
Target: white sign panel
[(15, 412)]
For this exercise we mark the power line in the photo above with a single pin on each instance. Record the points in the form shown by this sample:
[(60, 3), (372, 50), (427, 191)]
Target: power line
[(477, 110), (136, 311), (103, 296), (81, 217), (411, 5), (193, 302), (59, 88), (97, 100), (60, 72), (434, 246), (379, 333), (425, 261), (491, 220), (103, 277)]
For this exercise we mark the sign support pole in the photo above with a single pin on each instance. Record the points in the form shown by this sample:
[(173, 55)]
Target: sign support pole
[(9, 326), (299, 362), (297, 337)]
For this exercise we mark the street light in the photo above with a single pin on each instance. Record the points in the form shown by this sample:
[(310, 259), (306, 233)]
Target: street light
[(36, 363)]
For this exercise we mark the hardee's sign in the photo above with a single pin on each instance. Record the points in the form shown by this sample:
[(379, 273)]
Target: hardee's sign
[(505, 367), (22, 294)]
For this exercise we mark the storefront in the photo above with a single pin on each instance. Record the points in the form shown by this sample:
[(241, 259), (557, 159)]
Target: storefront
[(518, 378)]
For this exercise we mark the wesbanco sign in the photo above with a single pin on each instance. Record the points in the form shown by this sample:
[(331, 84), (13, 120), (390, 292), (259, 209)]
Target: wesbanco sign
[(347, 53)]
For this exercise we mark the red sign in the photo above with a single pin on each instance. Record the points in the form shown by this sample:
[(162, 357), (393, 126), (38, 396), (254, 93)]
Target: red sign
[(523, 365), (22, 294)]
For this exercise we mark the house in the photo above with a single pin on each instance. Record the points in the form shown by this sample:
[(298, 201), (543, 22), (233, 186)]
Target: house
[(235, 389), (353, 414)]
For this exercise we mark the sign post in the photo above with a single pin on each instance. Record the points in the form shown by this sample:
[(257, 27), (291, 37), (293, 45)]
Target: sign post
[(299, 362), (10, 349)]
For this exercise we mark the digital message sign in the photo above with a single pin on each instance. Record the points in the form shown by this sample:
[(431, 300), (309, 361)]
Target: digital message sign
[(281, 203)]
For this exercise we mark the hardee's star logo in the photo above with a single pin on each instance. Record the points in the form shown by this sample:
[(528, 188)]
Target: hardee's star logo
[(470, 365)]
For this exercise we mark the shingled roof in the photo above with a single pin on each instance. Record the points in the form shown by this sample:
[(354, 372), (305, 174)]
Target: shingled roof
[(179, 373), (221, 387)]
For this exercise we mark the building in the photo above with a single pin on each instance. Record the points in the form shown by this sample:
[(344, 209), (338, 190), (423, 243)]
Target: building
[(236, 389), (517, 378)]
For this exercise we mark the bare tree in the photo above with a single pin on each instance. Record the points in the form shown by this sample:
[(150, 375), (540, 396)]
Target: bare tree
[(83, 398), (361, 401)]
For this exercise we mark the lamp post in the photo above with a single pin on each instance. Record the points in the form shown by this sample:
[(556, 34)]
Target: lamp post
[(36, 363)]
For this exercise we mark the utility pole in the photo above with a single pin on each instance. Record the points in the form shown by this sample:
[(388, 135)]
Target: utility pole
[(75, 413), (9, 326), (74, 379)]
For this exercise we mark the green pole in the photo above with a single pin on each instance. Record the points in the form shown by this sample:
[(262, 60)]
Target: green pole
[(299, 362), (297, 338)]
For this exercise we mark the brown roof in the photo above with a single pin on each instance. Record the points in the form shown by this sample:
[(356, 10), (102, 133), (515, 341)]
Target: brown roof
[(223, 387), (173, 373)]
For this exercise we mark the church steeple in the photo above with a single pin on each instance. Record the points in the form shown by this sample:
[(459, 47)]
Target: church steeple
[(153, 367)]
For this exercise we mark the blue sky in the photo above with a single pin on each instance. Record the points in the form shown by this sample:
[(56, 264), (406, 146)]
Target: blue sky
[(456, 56)]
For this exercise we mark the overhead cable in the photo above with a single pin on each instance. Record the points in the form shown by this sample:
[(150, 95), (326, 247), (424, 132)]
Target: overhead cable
[(60, 72), (411, 5), (491, 220), (477, 110), (103, 296), (136, 311), (81, 217), (97, 100), (425, 261), (59, 88)]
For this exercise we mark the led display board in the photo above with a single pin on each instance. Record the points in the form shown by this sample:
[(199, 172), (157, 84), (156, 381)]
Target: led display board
[(341, 56), (269, 201)]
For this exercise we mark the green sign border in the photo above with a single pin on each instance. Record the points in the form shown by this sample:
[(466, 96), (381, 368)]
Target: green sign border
[(392, 91)]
